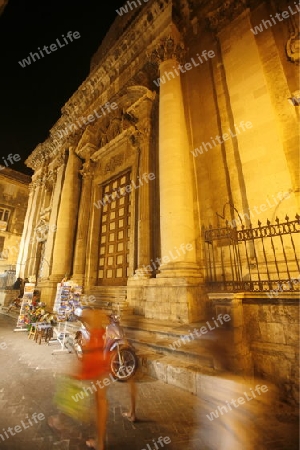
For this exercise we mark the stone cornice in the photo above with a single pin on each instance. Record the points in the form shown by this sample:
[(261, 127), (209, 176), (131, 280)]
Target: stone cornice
[(15, 176), (125, 50), (119, 67), (226, 13)]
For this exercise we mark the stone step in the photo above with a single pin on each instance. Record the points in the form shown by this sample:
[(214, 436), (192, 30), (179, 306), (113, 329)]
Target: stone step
[(199, 355), (175, 329), (217, 386), (109, 306), (110, 298), (178, 342)]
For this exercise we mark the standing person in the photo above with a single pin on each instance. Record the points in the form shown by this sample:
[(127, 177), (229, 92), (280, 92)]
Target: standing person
[(95, 367), (19, 285), (130, 415), (22, 287)]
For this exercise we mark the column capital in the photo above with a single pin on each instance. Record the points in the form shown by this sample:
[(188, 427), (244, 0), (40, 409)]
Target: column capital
[(51, 179), (87, 170), (60, 161), (168, 47), (31, 188)]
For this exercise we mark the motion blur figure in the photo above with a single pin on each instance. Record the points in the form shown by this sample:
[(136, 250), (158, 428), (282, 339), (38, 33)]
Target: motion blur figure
[(94, 366), (236, 413)]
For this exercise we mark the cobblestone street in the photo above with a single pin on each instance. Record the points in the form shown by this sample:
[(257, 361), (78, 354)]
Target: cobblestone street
[(27, 385)]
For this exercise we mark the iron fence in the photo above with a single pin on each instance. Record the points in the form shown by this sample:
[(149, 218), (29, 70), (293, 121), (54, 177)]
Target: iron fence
[(263, 258)]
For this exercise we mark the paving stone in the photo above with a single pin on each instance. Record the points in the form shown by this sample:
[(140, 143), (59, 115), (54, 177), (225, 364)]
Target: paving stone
[(27, 384)]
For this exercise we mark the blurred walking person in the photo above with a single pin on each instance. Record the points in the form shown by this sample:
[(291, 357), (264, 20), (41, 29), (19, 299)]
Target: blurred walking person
[(95, 367)]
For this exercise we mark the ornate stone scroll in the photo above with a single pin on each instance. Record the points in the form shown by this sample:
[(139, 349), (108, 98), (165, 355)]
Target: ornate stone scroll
[(293, 47)]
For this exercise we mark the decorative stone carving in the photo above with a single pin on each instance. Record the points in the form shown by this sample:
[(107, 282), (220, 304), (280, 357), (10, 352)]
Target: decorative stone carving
[(38, 181), (114, 162), (114, 128), (144, 128), (293, 47), (87, 170), (60, 160), (51, 178), (184, 10), (226, 13), (167, 49), (89, 137), (143, 78), (42, 228), (128, 120)]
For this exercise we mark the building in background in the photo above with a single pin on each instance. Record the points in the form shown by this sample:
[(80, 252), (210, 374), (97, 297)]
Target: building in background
[(14, 194), (171, 180)]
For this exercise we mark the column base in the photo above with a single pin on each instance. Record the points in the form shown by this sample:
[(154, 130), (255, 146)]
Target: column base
[(180, 299), (56, 278), (48, 292), (78, 279), (179, 269), (142, 272)]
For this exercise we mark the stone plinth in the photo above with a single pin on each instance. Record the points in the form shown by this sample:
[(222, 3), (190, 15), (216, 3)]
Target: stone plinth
[(175, 299), (48, 292)]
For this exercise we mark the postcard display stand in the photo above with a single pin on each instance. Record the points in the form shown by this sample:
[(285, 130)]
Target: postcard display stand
[(66, 301), (26, 302)]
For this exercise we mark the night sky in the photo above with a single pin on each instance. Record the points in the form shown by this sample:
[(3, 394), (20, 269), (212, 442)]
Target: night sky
[(32, 97)]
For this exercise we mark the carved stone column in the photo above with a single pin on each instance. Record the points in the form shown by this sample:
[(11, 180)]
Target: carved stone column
[(144, 201), (83, 223), (66, 220), (176, 291), (175, 173)]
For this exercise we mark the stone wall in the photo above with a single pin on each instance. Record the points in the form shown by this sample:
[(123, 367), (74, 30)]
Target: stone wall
[(272, 329), (264, 340), (14, 192)]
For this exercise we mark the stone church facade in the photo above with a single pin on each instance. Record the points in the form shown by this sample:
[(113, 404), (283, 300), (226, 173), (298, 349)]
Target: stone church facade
[(170, 183), (184, 134)]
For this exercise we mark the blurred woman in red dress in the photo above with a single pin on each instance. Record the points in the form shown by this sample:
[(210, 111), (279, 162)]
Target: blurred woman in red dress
[(95, 366)]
